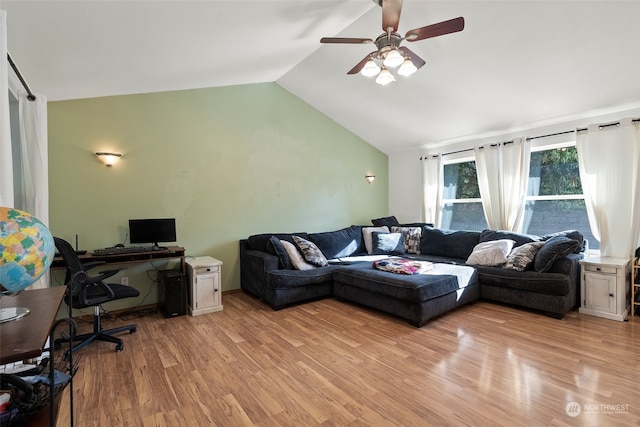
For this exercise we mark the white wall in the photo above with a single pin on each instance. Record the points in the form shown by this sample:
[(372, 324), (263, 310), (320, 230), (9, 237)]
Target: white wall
[(405, 168)]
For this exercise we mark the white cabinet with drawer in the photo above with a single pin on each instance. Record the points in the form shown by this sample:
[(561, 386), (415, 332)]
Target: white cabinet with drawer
[(205, 293), (604, 287)]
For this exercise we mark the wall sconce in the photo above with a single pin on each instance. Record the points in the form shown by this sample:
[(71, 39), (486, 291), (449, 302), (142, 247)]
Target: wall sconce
[(109, 159), (370, 178)]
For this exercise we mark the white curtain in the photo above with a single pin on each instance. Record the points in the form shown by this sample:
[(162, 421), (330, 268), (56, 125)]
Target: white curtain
[(432, 184), (6, 153), (609, 160), (503, 172)]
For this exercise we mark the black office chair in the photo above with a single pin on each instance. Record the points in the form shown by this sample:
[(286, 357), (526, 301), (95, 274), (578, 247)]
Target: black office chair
[(90, 291)]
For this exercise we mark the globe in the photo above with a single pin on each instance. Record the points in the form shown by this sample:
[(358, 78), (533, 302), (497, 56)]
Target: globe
[(26, 250)]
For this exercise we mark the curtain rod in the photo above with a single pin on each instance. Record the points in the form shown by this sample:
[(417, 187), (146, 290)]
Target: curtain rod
[(30, 95), (537, 137)]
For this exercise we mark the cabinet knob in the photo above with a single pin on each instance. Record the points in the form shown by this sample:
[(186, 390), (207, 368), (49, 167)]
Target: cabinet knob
[(611, 295), (597, 268)]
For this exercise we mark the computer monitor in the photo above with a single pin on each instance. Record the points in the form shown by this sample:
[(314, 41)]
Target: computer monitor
[(154, 231)]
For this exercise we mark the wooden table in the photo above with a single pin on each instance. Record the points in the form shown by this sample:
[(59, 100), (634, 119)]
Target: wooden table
[(26, 337)]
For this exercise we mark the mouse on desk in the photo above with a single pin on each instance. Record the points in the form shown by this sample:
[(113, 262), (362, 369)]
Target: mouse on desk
[(118, 245)]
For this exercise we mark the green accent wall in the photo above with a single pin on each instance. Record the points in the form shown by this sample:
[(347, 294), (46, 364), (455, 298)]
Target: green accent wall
[(225, 162)]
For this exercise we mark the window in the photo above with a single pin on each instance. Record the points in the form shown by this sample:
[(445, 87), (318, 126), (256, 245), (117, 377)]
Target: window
[(554, 199), (462, 206)]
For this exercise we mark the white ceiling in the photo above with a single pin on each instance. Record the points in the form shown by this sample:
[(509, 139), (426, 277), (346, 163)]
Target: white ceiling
[(516, 64)]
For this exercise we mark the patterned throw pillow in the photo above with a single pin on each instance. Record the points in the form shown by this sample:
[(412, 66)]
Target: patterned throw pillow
[(295, 256), (411, 236), (522, 257), (311, 253)]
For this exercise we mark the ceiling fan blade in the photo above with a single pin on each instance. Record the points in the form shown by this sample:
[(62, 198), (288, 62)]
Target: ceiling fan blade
[(358, 67), (435, 30), (417, 61), (391, 15), (345, 40)]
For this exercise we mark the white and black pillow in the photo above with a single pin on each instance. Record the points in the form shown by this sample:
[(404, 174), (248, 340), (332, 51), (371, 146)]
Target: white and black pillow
[(297, 260), (311, 253), (521, 258), (387, 243), (366, 236), (411, 237)]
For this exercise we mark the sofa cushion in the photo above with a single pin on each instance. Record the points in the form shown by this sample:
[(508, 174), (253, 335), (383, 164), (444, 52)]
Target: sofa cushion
[(297, 260), (387, 243), (518, 238), (340, 243), (521, 258), (388, 221), (571, 234), (411, 237), (448, 243), (281, 253), (529, 281), (554, 248), (366, 236), (310, 252), (493, 252), (260, 242)]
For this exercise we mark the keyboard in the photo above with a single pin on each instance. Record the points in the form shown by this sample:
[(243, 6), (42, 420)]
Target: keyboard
[(123, 250)]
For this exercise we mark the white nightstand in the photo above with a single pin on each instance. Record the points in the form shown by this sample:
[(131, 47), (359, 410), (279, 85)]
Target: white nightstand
[(205, 293), (604, 287)]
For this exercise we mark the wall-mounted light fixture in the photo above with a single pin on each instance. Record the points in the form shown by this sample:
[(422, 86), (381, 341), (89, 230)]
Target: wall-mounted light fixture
[(109, 159), (370, 178)]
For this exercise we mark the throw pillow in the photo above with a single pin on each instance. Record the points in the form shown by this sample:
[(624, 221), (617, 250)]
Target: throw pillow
[(572, 234), (448, 243), (519, 238), (388, 221), (553, 249), (366, 236), (311, 253), (411, 236), (522, 256), (387, 243), (280, 252), (491, 253), (295, 256)]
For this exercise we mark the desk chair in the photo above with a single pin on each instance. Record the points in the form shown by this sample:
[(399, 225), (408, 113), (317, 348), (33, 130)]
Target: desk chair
[(90, 291)]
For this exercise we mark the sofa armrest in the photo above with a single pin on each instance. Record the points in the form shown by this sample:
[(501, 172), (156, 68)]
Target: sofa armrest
[(253, 269)]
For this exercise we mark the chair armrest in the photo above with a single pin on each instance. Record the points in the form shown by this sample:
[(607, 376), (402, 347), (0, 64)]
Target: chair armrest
[(92, 264)]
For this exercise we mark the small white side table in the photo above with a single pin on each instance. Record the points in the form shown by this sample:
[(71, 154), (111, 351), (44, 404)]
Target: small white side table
[(605, 287), (205, 293)]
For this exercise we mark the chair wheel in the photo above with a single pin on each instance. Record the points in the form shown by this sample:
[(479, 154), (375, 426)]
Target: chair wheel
[(133, 330), (119, 347)]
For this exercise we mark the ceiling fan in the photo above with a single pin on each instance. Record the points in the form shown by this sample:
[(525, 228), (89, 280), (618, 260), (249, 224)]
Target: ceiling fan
[(390, 54)]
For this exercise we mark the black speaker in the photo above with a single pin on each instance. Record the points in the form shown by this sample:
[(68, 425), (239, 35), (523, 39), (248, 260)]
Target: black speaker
[(172, 293)]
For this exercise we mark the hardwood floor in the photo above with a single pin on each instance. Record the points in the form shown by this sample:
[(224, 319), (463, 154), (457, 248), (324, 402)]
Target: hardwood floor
[(331, 363)]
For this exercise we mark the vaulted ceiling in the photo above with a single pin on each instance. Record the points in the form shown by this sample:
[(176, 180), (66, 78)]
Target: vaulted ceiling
[(517, 64)]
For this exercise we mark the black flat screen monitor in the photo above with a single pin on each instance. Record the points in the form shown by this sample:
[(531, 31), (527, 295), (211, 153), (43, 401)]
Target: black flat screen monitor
[(153, 231)]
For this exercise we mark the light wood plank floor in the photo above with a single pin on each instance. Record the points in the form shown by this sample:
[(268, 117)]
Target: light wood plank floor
[(331, 363)]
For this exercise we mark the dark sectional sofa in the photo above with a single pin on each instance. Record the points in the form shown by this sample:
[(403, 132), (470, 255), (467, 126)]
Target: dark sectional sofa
[(550, 284)]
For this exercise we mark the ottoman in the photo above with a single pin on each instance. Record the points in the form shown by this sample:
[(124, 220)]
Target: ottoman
[(415, 298)]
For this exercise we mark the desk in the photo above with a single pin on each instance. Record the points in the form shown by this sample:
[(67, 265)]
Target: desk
[(25, 338), (172, 252)]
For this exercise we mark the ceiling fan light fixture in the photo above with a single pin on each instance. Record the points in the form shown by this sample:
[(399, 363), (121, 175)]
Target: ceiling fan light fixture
[(393, 58), (407, 68), (370, 69), (385, 77)]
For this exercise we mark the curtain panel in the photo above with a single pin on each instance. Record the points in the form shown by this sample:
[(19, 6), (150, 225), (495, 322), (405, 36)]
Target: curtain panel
[(503, 173), (432, 187), (6, 152), (609, 162)]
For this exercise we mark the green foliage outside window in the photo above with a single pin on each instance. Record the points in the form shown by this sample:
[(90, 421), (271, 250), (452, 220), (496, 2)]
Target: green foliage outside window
[(557, 170)]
